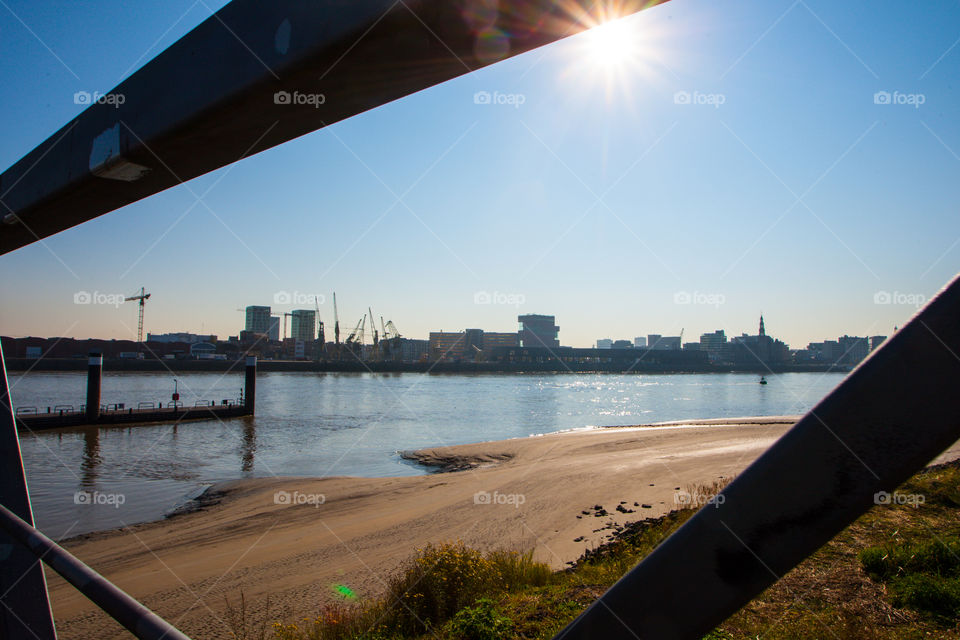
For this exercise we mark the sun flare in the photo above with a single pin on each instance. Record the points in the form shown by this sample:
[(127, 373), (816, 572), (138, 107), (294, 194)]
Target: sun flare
[(611, 44)]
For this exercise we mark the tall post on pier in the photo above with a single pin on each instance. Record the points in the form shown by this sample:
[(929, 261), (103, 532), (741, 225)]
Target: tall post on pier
[(250, 385), (94, 375)]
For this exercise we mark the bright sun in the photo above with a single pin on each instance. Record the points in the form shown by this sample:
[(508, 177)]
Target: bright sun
[(611, 44)]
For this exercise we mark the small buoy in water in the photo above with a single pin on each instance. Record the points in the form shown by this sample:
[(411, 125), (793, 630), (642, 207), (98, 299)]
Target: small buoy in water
[(763, 380)]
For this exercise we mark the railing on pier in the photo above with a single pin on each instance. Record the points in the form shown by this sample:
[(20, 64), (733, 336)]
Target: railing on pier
[(136, 618)]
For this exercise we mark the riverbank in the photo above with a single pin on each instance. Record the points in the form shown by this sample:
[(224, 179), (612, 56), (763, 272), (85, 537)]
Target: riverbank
[(356, 366), (294, 539)]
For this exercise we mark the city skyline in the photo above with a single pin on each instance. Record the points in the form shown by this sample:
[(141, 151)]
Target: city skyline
[(753, 158), (274, 323)]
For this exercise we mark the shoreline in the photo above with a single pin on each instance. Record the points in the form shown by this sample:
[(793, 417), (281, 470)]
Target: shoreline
[(431, 464), (437, 461), (293, 538)]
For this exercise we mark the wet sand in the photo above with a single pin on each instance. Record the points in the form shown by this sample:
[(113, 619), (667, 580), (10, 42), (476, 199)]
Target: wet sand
[(293, 539)]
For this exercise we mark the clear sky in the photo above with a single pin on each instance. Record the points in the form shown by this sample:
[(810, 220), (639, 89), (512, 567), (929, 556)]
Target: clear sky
[(693, 167)]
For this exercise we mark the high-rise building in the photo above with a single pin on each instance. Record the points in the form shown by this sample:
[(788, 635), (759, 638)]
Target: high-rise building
[(539, 331), (258, 319), (653, 341), (853, 349), (303, 324), (639, 342), (621, 344), (274, 331), (604, 343), (876, 341), (713, 344)]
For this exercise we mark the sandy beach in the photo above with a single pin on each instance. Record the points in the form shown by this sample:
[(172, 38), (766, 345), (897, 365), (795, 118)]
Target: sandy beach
[(293, 539)]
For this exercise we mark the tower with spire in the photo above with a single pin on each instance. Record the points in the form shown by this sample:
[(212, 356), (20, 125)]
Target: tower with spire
[(763, 331)]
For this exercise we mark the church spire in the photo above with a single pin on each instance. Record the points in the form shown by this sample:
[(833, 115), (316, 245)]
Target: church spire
[(763, 331)]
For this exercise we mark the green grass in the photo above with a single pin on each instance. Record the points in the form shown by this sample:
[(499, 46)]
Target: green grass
[(894, 573)]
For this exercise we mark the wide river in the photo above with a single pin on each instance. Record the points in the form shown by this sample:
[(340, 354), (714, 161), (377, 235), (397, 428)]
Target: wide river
[(322, 424)]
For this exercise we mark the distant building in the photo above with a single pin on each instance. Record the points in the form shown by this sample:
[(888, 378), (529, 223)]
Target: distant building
[(274, 331), (663, 343), (853, 350), (876, 341), (714, 344), (539, 331), (185, 338), (639, 342), (303, 325), (759, 350), (622, 344), (258, 319), (493, 339), (604, 343), (471, 344), (632, 358), (691, 346), (444, 345), (250, 337), (671, 343), (202, 350), (414, 350)]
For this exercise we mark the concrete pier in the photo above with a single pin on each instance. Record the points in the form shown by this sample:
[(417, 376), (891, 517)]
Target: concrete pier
[(93, 415)]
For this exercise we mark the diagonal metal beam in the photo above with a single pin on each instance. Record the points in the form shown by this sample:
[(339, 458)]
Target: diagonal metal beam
[(888, 419), (133, 616), (262, 73), (24, 607)]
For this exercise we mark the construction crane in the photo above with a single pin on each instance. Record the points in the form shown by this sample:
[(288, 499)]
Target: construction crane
[(142, 298)]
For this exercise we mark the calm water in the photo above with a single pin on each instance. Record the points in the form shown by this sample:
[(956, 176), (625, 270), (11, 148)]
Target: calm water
[(341, 424)]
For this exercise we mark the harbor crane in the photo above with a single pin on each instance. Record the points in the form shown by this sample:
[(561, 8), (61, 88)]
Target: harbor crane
[(142, 299), (391, 339), (354, 341)]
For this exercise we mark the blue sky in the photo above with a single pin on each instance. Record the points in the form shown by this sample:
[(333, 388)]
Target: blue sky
[(732, 161)]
